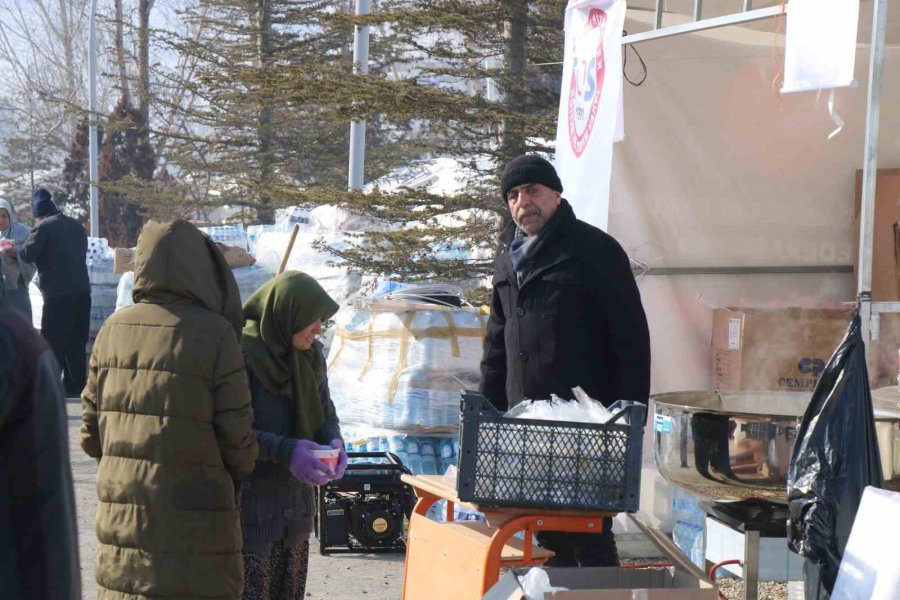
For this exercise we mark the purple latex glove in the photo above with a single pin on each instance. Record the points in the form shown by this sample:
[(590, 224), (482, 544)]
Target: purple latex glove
[(342, 459), (306, 467)]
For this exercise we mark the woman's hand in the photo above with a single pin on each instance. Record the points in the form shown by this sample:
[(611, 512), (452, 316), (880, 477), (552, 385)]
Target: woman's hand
[(307, 467)]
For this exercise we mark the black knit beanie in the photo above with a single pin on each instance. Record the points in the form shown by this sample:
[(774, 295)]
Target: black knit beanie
[(42, 204), (529, 168)]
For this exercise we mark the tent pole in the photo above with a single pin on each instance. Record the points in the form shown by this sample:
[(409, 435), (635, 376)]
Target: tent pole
[(870, 167)]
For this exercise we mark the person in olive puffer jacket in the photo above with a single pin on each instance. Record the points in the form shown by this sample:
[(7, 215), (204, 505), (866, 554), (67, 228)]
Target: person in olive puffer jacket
[(167, 412)]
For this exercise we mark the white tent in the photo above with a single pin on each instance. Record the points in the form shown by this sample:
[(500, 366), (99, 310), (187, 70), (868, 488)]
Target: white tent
[(717, 171), (719, 174)]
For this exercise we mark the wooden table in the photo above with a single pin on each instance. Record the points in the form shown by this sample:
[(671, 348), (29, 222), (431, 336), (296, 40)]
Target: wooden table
[(461, 560)]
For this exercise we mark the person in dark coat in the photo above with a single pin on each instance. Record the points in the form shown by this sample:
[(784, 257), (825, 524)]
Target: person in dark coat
[(38, 535), (58, 247), (293, 416), (565, 312)]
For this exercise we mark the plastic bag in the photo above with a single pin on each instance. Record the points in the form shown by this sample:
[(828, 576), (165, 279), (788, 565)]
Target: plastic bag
[(583, 409), (834, 459), (124, 290), (535, 583)]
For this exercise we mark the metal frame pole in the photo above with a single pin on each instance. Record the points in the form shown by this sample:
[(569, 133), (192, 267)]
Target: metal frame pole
[(870, 166), (92, 123), (751, 565), (658, 33), (358, 128)]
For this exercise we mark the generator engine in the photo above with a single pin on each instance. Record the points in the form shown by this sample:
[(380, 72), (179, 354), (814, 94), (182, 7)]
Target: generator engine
[(367, 509)]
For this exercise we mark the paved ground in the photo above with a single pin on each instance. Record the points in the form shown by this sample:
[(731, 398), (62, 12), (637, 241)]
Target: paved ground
[(334, 577)]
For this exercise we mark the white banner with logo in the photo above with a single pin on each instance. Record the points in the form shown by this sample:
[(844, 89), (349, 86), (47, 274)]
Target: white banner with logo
[(820, 44), (590, 105)]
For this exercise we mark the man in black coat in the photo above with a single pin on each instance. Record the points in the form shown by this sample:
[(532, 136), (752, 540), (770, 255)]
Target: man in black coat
[(38, 537), (58, 247), (565, 312)]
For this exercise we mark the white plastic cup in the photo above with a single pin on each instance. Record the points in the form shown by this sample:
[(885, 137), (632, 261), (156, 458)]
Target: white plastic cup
[(329, 456)]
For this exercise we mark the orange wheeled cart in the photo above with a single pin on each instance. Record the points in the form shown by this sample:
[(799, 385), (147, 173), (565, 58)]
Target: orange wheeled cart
[(461, 560)]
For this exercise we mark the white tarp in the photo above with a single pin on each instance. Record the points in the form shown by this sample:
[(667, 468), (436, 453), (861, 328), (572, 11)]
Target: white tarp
[(589, 106), (820, 44)]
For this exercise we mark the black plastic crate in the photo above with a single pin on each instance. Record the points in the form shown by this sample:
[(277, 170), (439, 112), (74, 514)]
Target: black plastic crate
[(549, 464)]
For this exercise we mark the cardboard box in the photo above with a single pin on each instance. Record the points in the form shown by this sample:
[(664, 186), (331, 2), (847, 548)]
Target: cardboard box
[(885, 259), (236, 257), (593, 583), (774, 350), (123, 260)]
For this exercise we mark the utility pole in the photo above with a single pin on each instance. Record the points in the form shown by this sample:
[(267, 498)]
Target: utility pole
[(94, 150), (358, 128)]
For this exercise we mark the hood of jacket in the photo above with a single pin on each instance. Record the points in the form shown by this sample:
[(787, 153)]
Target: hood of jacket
[(176, 262), (17, 232)]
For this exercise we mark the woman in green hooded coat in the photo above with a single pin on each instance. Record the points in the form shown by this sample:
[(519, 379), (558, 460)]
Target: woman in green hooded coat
[(293, 416)]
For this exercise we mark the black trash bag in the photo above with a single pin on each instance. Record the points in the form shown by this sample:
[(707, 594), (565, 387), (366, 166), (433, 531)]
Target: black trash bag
[(834, 459)]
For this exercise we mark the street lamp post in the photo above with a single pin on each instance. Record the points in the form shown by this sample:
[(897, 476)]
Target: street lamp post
[(92, 123)]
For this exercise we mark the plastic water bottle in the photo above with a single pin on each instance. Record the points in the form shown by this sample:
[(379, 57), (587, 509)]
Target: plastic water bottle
[(412, 452), (409, 411), (427, 417), (389, 415), (396, 446), (447, 456), (429, 457), (438, 511)]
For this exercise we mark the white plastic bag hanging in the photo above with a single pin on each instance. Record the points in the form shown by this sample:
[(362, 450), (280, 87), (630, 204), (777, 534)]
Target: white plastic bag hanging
[(820, 44), (535, 583)]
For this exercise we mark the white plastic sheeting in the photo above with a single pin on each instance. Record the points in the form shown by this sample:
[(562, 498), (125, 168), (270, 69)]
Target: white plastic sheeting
[(249, 279), (403, 371), (333, 226)]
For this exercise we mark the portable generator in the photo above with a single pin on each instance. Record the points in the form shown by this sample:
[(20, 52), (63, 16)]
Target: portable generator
[(367, 509)]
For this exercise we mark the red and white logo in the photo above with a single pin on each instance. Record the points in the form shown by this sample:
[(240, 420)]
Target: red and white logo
[(587, 80)]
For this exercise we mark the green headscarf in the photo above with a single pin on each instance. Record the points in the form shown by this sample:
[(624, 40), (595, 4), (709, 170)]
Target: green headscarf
[(283, 306)]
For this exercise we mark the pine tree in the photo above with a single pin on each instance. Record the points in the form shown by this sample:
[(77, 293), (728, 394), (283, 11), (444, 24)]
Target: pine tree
[(484, 88), (76, 186), (126, 161), (274, 92)]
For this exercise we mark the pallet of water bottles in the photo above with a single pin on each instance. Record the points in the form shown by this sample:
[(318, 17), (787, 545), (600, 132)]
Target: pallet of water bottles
[(422, 455)]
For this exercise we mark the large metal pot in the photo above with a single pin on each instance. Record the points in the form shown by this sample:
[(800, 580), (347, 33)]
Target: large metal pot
[(735, 446)]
